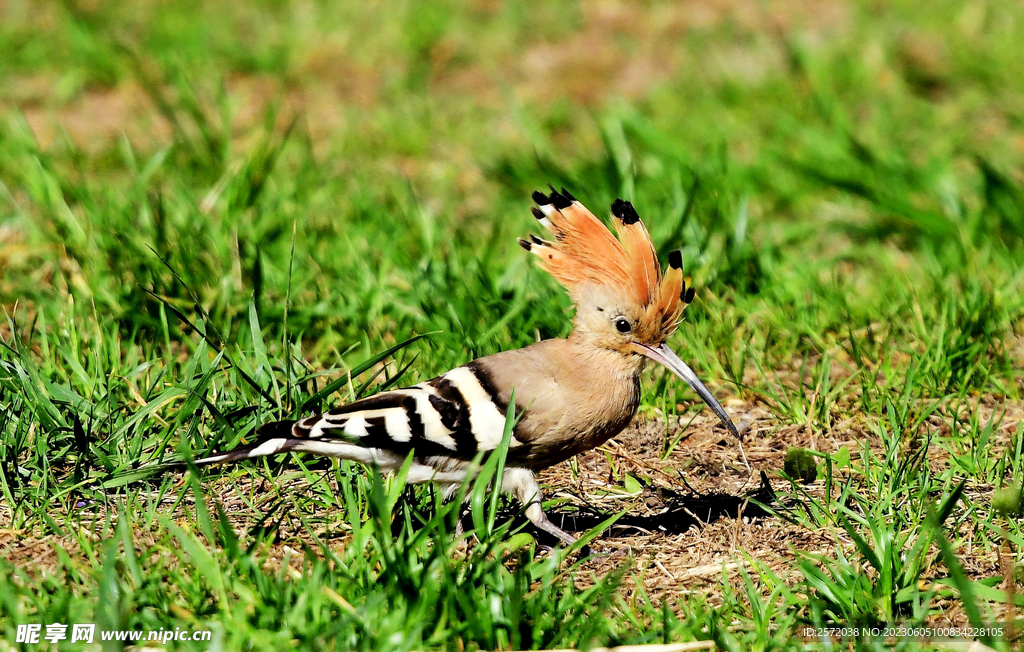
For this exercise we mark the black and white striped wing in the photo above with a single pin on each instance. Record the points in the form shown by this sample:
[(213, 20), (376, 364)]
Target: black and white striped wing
[(454, 415)]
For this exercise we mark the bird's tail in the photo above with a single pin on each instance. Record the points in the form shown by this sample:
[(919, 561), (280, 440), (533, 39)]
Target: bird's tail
[(432, 418), (272, 438)]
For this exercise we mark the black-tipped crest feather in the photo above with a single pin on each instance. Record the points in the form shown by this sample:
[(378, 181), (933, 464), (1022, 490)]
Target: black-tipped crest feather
[(675, 259), (558, 200), (624, 211)]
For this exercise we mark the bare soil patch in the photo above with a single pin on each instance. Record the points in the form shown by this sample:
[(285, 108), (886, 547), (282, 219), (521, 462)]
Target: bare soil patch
[(709, 470)]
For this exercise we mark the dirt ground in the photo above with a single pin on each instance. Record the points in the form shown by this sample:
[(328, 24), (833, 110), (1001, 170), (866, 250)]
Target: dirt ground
[(698, 521)]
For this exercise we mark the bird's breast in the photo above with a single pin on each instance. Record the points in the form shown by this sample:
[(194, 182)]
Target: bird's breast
[(570, 401), (586, 421)]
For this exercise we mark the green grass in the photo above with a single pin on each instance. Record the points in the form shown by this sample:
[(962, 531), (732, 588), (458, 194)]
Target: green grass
[(213, 215)]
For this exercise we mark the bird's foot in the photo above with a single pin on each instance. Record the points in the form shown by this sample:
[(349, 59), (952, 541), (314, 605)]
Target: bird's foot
[(555, 531)]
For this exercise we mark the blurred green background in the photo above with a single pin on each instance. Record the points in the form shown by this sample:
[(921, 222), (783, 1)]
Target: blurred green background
[(872, 148)]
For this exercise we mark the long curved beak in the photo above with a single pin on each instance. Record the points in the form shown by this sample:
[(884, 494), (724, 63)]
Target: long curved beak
[(667, 357)]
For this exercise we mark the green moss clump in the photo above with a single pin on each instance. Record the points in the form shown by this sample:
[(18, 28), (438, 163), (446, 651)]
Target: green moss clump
[(1007, 500), (800, 465)]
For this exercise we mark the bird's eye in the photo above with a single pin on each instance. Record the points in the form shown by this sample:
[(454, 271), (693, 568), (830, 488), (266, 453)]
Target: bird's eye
[(622, 325)]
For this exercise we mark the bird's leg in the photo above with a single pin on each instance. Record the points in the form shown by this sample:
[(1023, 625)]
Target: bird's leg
[(523, 484), (448, 491)]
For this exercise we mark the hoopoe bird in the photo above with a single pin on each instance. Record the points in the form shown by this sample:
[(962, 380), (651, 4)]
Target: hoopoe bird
[(572, 394)]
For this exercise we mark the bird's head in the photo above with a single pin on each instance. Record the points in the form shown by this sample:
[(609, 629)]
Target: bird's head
[(623, 301)]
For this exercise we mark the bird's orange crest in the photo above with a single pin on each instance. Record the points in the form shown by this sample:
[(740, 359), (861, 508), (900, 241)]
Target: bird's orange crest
[(586, 253)]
